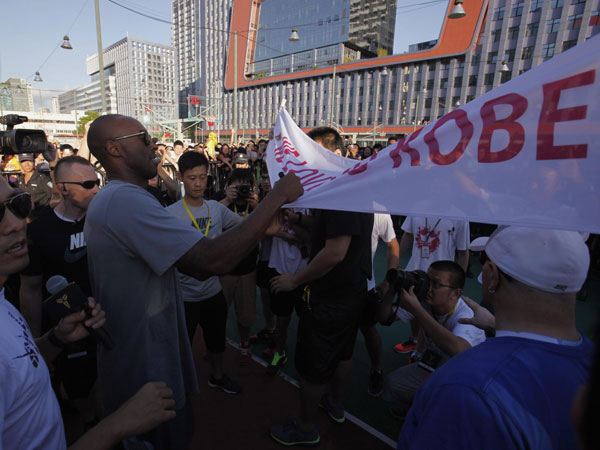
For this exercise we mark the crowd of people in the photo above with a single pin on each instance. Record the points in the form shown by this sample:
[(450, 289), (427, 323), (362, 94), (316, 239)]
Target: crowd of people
[(166, 240)]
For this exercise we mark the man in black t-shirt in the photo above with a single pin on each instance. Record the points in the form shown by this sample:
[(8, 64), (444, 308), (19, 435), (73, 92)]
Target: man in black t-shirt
[(57, 246), (38, 184), (336, 279)]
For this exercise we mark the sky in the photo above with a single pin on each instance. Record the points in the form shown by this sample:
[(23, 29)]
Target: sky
[(32, 31)]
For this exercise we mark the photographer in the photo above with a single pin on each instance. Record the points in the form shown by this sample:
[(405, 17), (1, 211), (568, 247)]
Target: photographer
[(442, 336), (38, 184), (239, 285)]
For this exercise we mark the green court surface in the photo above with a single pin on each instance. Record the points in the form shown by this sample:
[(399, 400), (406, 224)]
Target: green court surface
[(374, 411)]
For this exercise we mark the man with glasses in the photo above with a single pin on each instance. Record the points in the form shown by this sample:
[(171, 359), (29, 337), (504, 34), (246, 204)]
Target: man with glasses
[(442, 336), (135, 245), (57, 246)]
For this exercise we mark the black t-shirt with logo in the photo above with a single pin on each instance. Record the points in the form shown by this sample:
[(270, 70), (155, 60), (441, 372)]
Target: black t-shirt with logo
[(351, 274), (58, 247)]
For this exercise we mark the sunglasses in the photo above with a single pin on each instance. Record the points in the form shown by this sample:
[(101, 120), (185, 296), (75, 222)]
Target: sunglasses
[(88, 184), (435, 284), (20, 205), (145, 134)]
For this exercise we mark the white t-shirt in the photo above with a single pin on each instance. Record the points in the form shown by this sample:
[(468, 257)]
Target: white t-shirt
[(221, 219), (435, 240), (382, 228), (29, 412), (286, 257)]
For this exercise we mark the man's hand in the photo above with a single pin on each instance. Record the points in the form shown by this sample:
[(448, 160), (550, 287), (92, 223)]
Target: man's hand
[(408, 300), (289, 187), (253, 200), (482, 318), (148, 408), (283, 283), (230, 195), (70, 328)]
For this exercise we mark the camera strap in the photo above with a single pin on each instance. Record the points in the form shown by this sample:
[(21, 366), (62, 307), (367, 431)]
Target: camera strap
[(194, 220)]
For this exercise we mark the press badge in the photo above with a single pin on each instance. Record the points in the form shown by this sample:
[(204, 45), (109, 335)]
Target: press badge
[(425, 251)]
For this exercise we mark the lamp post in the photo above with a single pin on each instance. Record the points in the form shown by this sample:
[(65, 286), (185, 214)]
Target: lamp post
[(333, 97), (100, 57), (383, 73), (417, 110)]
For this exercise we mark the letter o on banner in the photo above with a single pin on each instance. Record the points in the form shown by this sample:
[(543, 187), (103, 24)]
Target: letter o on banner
[(466, 133)]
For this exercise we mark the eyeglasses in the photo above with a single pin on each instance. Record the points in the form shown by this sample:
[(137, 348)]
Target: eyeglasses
[(436, 284), (20, 205), (88, 184), (147, 137)]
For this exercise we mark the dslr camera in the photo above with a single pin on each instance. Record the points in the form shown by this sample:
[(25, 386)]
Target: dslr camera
[(404, 279), (21, 140), (243, 190)]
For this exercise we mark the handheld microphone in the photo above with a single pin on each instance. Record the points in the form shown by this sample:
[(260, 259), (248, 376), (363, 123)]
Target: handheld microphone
[(68, 298)]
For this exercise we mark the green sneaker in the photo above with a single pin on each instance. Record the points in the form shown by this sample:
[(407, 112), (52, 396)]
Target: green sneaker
[(291, 434), (336, 412), (279, 359)]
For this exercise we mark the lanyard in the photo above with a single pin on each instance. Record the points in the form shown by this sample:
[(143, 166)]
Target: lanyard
[(236, 211), (449, 315), (194, 220), (431, 231)]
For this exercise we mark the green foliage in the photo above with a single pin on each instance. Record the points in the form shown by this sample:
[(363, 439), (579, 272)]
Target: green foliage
[(89, 116)]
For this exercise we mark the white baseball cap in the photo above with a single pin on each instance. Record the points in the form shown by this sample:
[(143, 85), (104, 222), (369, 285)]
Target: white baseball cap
[(550, 260)]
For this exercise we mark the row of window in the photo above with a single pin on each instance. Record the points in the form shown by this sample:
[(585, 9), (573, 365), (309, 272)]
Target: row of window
[(536, 5)]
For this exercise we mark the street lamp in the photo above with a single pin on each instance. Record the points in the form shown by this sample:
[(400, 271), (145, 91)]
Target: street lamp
[(38, 78), (504, 67), (294, 37), (417, 110), (376, 109), (66, 43), (458, 11)]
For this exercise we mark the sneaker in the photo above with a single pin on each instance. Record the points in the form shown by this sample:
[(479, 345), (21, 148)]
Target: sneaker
[(375, 383), (407, 346), (262, 335), (336, 412), (291, 434), (226, 384), (279, 359), (245, 353)]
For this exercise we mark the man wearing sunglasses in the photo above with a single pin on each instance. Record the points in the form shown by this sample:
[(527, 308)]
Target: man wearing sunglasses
[(134, 247), (57, 246), (37, 183), (442, 336)]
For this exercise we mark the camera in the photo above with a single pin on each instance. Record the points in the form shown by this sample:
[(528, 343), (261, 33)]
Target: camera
[(243, 190), (404, 279), (21, 140)]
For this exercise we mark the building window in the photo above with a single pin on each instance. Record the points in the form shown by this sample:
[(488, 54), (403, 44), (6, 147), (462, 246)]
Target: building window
[(536, 5), (517, 10), (532, 29), (417, 86), (556, 3), (552, 25), (428, 102), (569, 44), (576, 2), (499, 13), (509, 55), (506, 76), (574, 22), (441, 102), (513, 33), (458, 82), (496, 35), (489, 79), (548, 50), (527, 52), (595, 18), (429, 85), (472, 80), (475, 59), (444, 83), (492, 57)]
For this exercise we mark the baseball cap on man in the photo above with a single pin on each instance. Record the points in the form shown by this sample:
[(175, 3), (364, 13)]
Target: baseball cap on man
[(241, 158), (550, 260), (26, 157)]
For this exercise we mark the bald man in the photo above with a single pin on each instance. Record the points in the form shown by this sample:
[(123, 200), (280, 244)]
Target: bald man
[(134, 247)]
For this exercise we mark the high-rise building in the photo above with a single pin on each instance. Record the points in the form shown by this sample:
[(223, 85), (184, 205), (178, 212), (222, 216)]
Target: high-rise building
[(88, 97), (144, 79), (496, 41), (16, 95), (372, 24)]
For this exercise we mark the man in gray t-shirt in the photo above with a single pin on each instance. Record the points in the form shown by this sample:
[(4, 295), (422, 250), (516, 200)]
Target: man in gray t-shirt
[(134, 246)]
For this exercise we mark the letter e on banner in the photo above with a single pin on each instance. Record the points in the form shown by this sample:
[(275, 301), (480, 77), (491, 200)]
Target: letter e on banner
[(550, 115), (515, 130), (466, 133)]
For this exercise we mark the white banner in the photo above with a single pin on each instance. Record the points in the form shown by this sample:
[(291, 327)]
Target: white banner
[(526, 153)]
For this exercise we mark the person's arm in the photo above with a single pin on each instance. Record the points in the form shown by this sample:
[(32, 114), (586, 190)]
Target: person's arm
[(443, 338), (221, 254), (170, 184), (30, 298), (149, 407), (84, 150), (462, 259), (385, 311), (393, 260), (482, 318), (406, 242), (331, 255)]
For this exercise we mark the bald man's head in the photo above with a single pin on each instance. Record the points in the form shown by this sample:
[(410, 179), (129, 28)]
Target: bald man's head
[(101, 130)]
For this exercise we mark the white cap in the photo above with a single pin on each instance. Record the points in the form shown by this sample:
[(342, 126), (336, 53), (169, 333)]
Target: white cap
[(478, 244), (550, 260)]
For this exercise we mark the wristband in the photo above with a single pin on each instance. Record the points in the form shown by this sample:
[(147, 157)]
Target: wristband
[(54, 340)]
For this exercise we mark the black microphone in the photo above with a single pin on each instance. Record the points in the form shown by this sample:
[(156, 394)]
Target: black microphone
[(68, 298)]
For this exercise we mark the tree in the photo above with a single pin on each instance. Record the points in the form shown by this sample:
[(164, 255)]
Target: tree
[(89, 116)]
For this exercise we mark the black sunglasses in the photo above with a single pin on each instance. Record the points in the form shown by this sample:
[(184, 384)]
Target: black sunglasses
[(145, 134), (20, 205), (88, 184)]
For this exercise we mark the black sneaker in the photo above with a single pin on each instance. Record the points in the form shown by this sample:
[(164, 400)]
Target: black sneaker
[(279, 359), (375, 383), (336, 412), (226, 384), (291, 434)]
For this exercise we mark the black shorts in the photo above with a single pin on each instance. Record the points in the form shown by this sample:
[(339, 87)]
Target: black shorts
[(211, 315), (263, 274), (326, 335), (368, 318), (283, 303), (76, 368)]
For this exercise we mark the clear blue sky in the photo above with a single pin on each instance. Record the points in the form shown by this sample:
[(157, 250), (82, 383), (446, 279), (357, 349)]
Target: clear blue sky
[(31, 30)]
